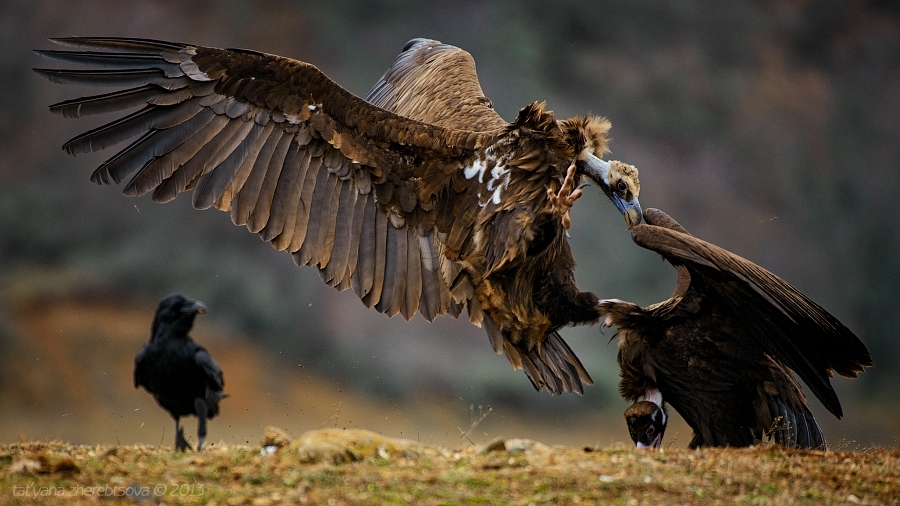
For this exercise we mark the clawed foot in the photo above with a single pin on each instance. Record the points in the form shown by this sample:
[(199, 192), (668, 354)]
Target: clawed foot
[(181, 443), (562, 201)]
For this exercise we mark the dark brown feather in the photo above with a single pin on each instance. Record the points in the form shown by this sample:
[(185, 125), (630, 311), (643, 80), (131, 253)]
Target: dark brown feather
[(279, 229), (413, 282), (211, 185), (365, 271), (335, 266), (241, 175), (259, 218), (243, 207), (380, 259), (318, 205), (159, 153)]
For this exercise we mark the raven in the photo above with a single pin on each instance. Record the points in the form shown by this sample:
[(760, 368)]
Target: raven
[(178, 372)]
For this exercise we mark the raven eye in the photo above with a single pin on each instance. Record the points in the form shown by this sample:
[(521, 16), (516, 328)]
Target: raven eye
[(651, 430), (622, 186)]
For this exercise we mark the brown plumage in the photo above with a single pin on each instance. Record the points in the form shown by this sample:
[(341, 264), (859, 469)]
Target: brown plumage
[(722, 349), (425, 202)]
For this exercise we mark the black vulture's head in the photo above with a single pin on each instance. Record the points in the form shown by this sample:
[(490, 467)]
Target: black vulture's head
[(176, 310), (646, 424), (618, 180), (587, 137)]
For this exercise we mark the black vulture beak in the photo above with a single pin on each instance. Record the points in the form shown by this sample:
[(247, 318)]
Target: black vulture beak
[(631, 209), (656, 443)]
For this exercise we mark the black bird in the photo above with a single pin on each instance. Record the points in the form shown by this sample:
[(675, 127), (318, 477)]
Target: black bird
[(178, 372), (422, 200), (646, 422), (722, 349)]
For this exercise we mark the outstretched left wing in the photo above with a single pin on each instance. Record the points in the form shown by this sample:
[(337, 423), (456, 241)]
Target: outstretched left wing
[(373, 199)]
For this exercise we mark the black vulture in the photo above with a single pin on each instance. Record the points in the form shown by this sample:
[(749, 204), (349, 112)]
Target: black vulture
[(723, 349), (421, 200), (178, 372)]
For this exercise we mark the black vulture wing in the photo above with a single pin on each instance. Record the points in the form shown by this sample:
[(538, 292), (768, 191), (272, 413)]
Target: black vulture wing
[(790, 327), (436, 83), (343, 185)]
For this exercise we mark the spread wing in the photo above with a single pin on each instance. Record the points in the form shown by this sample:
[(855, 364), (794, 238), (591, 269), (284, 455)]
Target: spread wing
[(374, 200), (436, 83), (790, 327)]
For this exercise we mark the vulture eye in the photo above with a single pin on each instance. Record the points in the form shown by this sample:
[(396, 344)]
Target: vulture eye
[(651, 430), (622, 186)]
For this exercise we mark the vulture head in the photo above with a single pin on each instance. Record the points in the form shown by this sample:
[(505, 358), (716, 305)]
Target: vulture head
[(618, 180), (646, 424), (586, 136)]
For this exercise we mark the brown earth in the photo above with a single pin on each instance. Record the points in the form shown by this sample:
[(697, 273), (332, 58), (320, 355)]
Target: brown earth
[(337, 466)]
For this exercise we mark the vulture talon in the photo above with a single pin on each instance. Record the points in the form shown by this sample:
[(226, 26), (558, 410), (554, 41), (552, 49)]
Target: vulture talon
[(562, 201)]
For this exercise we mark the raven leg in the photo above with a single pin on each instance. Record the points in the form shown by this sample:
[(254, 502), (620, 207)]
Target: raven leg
[(201, 409), (181, 443)]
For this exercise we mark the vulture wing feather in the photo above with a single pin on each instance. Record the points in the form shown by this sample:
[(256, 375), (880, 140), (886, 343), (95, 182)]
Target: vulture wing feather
[(791, 327)]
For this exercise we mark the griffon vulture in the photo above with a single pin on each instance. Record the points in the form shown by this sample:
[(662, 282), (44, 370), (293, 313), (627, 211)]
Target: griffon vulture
[(723, 349), (425, 201)]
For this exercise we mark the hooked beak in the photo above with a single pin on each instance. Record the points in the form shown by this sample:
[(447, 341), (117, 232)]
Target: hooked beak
[(631, 209), (657, 441), (599, 170)]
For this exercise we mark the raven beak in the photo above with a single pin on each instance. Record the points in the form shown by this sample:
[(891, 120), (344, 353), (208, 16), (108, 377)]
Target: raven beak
[(196, 307)]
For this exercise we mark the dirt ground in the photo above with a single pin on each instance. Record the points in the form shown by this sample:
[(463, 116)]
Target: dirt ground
[(353, 466)]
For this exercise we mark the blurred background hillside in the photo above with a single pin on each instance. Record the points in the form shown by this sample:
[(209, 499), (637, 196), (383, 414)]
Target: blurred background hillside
[(769, 128)]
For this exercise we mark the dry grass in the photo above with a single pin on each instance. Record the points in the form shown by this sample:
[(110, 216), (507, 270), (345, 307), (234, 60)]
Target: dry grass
[(359, 467)]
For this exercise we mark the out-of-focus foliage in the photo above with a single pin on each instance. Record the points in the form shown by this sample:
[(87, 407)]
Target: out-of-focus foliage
[(769, 128)]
